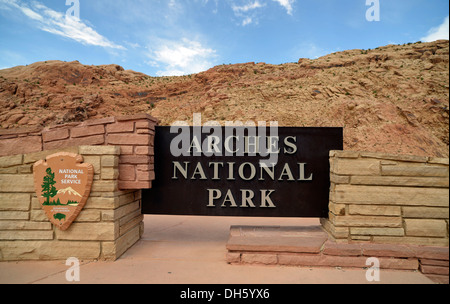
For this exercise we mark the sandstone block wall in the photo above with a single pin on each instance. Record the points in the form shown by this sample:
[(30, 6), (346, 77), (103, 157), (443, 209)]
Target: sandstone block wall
[(133, 134), (383, 198), (110, 223)]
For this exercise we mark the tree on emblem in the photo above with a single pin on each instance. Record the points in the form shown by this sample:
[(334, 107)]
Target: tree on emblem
[(48, 189)]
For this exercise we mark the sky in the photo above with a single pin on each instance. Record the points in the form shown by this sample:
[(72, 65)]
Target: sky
[(181, 37)]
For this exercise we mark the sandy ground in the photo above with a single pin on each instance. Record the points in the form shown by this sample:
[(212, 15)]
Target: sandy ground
[(191, 250)]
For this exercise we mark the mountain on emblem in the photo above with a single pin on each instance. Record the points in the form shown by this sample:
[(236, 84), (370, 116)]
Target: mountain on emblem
[(69, 191)]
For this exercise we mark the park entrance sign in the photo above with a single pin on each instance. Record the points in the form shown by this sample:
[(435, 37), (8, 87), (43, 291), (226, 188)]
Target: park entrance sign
[(242, 171)]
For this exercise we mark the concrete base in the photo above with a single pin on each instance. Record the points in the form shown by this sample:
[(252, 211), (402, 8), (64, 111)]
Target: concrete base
[(310, 246)]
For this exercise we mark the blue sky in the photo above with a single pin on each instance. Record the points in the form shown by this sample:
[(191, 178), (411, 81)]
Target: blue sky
[(178, 37)]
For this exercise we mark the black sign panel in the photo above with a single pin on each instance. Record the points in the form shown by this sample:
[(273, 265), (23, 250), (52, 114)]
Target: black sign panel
[(234, 181)]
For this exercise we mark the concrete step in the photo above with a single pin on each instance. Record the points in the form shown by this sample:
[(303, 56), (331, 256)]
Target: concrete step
[(277, 239)]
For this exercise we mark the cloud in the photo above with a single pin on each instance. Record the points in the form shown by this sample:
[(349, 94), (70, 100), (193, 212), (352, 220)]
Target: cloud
[(250, 11), (437, 33), (247, 12), (287, 4), (60, 24), (248, 7), (181, 57), (247, 21)]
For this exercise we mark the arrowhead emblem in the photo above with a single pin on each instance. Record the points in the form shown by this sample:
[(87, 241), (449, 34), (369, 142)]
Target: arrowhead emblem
[(63, 185)]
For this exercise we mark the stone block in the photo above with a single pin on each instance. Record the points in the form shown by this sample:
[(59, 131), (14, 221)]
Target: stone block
[(84, 131), (439, 161), (399, 264), (395, 157), (345, 261), (333, 248), (433, 253), (366, 221), (126, 198), (428, 269), (15, 201), (417, 171), (15, 146), (411, 240), (113, 250), (425, 228), (140, 117), (99, 121), (135, 221), (378, 195), (145, 125), (335, 232), (38, 215), (375, 210), (99, 150), (356, 167), (276, 244), (17, 183), (110, 161), (233, 257), (102, 203), (339, 179), (345, 154), (135, 159), (109, 173), (26, 235), (9, 161), (434, 262), (25, 169), (321, 261), (120, 127), (90, 232), (128, 139), (73, 142), (49, 250), (120, 212), (144, 150), (337, 209), (425, 212), (400, 181), (145, 175), (387, 250), (59, 134), (377, 231), (14, 215), (94, 161), (361, 238), (147, 167), (31, 158), (126, 150), (264, 259), (10, 170), (126, 240), (127, 173), (88, 216), (24, 225), (105, 186), (145, 131)]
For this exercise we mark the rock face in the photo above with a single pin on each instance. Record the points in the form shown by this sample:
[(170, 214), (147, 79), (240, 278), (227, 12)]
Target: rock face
[(393, 99)]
